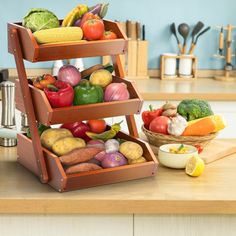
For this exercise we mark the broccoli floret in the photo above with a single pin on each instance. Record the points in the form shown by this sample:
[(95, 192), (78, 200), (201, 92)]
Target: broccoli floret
[(193, 109)]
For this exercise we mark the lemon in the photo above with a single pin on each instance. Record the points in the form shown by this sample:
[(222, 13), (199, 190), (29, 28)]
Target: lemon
[(195, 166)]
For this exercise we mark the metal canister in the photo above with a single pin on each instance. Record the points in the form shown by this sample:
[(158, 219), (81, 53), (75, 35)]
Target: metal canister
[(8, 104), (8, 112)]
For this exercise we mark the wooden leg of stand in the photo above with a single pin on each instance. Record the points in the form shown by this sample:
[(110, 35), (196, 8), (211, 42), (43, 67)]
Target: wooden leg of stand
[(118, 66), (38, 151), (129, 118), (132, 125)]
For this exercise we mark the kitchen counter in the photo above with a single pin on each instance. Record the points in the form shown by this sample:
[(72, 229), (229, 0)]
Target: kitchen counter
[(170, 192), (204, 88)]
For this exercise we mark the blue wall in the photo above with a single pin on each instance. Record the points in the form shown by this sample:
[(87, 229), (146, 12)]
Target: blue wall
[(156, 14)]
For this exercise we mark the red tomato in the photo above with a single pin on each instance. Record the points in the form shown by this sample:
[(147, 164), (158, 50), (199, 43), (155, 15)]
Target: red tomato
[(159, 124), (93, 29), (88, 16), (97, 126), (199, 148), (108, 35)]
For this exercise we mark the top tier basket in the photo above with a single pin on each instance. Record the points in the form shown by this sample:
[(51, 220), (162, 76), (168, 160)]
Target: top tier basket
[(34, 52)]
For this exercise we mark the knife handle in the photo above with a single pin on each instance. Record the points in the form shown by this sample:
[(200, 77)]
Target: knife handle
[(138, 30), (221, 41)]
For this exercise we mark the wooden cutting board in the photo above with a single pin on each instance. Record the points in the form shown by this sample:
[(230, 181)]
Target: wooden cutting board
[(215, 150), (218, 149)]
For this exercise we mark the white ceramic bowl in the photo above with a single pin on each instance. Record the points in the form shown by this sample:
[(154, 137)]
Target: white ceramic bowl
[(172, 160)]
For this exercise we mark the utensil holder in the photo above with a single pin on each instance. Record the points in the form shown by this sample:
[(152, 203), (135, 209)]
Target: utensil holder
[(187, 68)]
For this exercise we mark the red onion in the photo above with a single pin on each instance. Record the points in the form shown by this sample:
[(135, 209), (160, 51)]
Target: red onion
[(96, 143), (116, 92), (113, 160), (100, 156), (69, 74)]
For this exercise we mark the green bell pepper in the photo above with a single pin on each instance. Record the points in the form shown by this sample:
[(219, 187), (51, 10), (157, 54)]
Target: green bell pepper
[(86, 93)]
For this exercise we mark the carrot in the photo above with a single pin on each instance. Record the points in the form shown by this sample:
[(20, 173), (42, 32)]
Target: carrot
[(79, 155), (200, 127)]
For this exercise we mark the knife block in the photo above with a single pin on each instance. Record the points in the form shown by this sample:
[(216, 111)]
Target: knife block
[(135, 61)]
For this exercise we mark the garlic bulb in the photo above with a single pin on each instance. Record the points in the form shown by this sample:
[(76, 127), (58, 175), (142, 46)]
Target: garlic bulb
[(177, 125)]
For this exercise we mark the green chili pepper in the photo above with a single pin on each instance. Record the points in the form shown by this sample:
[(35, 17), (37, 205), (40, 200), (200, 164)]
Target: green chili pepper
[(109, 134), (41, 128)]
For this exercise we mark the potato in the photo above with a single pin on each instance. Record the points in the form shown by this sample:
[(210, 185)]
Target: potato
[(66, 145), (131, 150), (136, 161), (50, 136), (82, 167), (101, 77)]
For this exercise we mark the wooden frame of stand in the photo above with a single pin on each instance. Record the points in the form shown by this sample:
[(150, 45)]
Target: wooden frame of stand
[(42, 162), (178, 57)]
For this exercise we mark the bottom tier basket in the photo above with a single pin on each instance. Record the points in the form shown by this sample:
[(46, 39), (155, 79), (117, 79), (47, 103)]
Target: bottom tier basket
[(62, 182), (157, 139)]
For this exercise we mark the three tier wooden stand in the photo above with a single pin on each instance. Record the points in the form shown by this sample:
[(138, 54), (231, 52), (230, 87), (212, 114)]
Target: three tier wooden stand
[(32, 101)]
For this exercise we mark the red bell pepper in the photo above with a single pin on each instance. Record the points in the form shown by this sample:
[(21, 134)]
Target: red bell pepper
[(60, 94), (148, 116), (78, 129)]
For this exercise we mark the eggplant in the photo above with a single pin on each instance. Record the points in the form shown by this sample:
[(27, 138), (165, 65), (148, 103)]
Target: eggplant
[(77, 22), (103, 10), (96, 9)]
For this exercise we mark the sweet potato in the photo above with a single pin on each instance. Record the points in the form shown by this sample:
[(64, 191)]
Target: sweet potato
[(79, 155), (82, 167)]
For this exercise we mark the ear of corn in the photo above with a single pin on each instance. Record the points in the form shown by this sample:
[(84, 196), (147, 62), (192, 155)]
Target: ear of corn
[(56, 35)]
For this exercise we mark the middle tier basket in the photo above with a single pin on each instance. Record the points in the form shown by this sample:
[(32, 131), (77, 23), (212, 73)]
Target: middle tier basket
[(47, 115)]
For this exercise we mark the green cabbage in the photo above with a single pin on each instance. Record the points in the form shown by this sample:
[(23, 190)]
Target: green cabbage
[(39, 18)]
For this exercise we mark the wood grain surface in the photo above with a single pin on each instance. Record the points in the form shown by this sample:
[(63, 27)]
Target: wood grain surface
[(170, 192)]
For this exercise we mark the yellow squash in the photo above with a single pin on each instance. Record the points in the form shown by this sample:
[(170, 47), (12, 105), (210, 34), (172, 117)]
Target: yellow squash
[(57, 35)]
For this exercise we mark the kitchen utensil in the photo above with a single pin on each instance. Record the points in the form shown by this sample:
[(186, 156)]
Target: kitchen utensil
[(131, 30), (8, 104), (229, 66), (218, 149), (128, 28), (24, 122), (173, 31), (197, 28), (221, 41), (173, 160), (183, 30), (4, 75), (143, 32), (138, 30), (196, 40)]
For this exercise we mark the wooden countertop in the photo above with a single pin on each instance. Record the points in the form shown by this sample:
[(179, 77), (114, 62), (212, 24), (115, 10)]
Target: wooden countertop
[(208, 89), (170, 192)]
